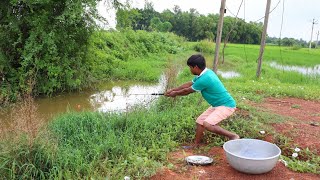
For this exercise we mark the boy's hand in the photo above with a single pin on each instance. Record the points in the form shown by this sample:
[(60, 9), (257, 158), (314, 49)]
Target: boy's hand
[(170, 93)]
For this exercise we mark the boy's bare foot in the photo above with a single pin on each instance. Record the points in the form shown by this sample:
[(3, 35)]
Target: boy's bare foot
[(234, 137), (193, 146)]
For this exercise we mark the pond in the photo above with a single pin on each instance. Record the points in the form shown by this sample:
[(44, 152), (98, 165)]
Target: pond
[(228, 74), (117, 96), (310, 71)]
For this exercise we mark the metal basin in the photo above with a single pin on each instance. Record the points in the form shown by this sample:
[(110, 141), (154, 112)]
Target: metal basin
[(251, 156)]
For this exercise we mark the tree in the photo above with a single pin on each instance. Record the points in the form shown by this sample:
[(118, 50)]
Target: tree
[(127, 18), (43, 45), (288, 41)]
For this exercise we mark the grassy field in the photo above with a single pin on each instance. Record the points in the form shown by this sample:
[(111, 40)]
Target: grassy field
[(279, 82), (110, 146)]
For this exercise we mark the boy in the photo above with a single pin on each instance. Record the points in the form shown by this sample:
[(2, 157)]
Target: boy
[(214, 92)]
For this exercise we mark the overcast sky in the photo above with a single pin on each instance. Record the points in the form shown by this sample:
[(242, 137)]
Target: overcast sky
[(297, 18)]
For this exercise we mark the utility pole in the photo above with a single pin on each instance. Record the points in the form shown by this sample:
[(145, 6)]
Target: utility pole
[(218, 38), (313, 23), (317, 39), (263, 38)]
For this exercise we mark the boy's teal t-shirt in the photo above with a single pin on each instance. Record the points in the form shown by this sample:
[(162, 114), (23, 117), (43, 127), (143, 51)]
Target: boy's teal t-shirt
[(212, 89)]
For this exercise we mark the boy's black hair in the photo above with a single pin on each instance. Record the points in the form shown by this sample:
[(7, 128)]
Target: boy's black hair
[(197, 60)]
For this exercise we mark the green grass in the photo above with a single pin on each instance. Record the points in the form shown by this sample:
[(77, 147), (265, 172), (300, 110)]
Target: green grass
[(131, 55), (110, 146), (273, 82), (94, 145), (288, 56)]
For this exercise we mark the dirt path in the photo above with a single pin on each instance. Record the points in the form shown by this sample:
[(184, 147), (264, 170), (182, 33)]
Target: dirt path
[(221, 169), (303, 129)]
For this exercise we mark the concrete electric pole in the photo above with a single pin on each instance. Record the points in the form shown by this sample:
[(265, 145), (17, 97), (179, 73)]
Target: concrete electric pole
[(263, 38), (218, 38), (313, 23), (317, 39)]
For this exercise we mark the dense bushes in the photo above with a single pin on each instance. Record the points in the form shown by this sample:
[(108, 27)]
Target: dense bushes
[(43, 45), (128, 54), (204, 46)]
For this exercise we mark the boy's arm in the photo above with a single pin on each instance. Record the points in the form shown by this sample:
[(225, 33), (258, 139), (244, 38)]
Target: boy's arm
[(185, 85), (182, 90)]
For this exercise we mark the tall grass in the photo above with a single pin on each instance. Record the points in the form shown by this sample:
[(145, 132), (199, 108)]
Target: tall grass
[(21, 149)]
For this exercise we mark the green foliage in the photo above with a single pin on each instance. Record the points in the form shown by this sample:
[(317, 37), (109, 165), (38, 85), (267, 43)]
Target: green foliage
[(312, 164), (157, 25), (130, 54), (43, 45), (108, 145), (19, 160), (189, 24), (204, 46), (54, 47), (287, 42)]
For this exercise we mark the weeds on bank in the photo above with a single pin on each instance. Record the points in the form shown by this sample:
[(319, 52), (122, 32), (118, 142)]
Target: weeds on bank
[(22, 153), (306, 160)]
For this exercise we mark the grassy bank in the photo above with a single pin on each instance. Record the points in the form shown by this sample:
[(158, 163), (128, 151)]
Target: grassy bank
[(131, 55), (110, 146)]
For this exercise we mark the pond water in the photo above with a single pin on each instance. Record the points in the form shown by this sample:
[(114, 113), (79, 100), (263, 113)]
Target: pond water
[(121, 99), (311, 71), (228, 74), (117, 96)]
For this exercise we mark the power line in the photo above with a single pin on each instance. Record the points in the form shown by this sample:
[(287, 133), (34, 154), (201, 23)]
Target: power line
[(230, 11), (228, 35), (259, 18), (269, 12)]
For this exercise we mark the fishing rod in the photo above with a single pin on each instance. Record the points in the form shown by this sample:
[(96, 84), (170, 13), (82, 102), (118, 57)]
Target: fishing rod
[(152, 94)]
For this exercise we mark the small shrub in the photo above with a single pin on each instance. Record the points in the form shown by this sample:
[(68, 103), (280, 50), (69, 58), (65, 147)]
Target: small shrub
[(204, 46)]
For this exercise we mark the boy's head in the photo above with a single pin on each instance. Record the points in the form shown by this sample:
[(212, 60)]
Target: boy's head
[(197, 60), (197, 63)]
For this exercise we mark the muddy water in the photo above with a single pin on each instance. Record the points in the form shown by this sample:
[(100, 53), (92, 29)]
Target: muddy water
[(114, 97), (117, 96)]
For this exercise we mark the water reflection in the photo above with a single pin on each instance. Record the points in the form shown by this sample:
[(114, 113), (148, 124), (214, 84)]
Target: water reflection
[(312, 71), (120, 99), (228, 74)]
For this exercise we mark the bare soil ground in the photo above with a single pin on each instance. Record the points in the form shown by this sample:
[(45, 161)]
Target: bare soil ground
[(304, 129)]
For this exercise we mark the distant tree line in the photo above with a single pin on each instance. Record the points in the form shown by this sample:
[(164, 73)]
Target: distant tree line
[(190, 24), (195, 26), (286, 41)]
